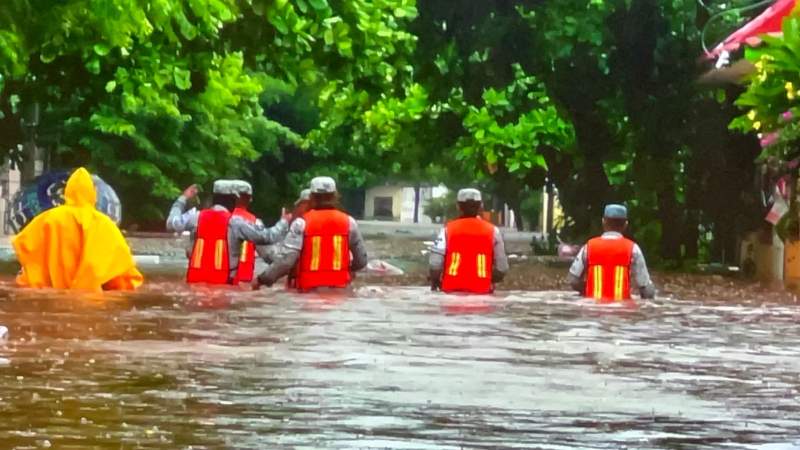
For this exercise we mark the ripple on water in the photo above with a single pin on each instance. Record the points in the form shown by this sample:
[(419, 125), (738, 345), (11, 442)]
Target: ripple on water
[(172, 367)]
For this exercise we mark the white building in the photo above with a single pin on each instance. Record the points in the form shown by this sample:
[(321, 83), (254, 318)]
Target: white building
[(396, 202)]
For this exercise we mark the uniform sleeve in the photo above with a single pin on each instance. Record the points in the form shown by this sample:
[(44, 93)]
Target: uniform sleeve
[(578, 264), (576, 270), (286, 254), (294, 239), (641, 275), (500, 258), (357, 247), (256, 234), (437, 251), (181, 221)]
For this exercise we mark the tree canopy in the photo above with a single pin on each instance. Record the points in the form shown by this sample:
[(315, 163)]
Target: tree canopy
[(597, 99)]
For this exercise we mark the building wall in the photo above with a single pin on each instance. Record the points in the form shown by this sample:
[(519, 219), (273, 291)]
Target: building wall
[(402, 201), (393, 192)]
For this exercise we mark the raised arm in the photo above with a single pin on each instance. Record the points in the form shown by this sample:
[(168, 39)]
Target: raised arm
[(178, 220)]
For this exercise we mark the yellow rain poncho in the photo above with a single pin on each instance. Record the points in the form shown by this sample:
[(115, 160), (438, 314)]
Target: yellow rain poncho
[(74, 246)]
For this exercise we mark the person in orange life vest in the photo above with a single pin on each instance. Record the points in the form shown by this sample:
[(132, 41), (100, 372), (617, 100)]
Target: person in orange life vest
[(217, 235), (469, 254), (323, 246), (606, 265), (247, 254), (301, 206)]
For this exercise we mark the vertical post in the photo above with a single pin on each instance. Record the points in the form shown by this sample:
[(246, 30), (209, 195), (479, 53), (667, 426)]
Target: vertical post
[(550, 198), (417, 189)]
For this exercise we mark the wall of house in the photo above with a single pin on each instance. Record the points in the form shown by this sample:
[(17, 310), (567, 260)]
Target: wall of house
[(402, 201), (393, 192)]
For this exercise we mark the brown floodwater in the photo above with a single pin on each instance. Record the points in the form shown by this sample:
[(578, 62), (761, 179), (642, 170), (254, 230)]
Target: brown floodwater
[(171, 367)]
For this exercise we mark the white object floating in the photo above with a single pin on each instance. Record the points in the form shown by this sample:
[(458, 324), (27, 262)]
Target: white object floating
[(4, 362), (382, 267), (427, 243), (3, 333), (147, 259)]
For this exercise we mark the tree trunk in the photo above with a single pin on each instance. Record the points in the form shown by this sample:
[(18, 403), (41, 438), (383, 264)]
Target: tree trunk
[(671, 223)]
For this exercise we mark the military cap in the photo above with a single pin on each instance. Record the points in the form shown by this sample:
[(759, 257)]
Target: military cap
[(226, 187), (615, 211), (305, 195), (468, 195), (242, 187), (322, 185)]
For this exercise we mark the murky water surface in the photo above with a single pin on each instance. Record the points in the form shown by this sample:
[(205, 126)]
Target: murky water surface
[(173, 367)]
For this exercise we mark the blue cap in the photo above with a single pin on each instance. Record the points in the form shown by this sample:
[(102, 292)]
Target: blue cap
[(614, 211)]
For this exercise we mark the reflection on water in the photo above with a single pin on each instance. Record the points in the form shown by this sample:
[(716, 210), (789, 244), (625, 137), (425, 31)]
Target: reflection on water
[(174, 367)]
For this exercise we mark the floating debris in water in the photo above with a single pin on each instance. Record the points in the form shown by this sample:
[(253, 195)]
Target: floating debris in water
[(378, 266)]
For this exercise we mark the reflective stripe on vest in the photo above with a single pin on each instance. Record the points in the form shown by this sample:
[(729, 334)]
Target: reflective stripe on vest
[(325, 257), (608, 273), (208, 262), (469, 256), (247, 256)]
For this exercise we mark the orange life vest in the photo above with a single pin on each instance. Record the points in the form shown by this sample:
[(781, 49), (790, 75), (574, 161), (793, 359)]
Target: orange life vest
[(247, 256), (325, 258), (608, 263), (208, 262), (469, 258)]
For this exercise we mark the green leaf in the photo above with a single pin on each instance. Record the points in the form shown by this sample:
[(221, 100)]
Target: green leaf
[(319, 5), (93, 66), (182, 78), (110, 86), (101, 49), (277, 20)]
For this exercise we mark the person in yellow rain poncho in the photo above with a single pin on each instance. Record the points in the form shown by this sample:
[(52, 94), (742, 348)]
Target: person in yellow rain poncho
[(74, 246)]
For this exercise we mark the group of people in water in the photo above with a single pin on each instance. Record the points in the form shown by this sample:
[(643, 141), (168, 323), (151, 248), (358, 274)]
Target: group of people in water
[(316, 246)]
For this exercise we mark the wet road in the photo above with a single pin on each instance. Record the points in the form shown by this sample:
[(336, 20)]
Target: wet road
[(171, 367)]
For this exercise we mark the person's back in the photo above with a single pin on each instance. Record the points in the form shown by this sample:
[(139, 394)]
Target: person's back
[(74, 246), (325, 257), (469, 259), (323, 246), (469, 254), (209, 260), (607, 266)]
